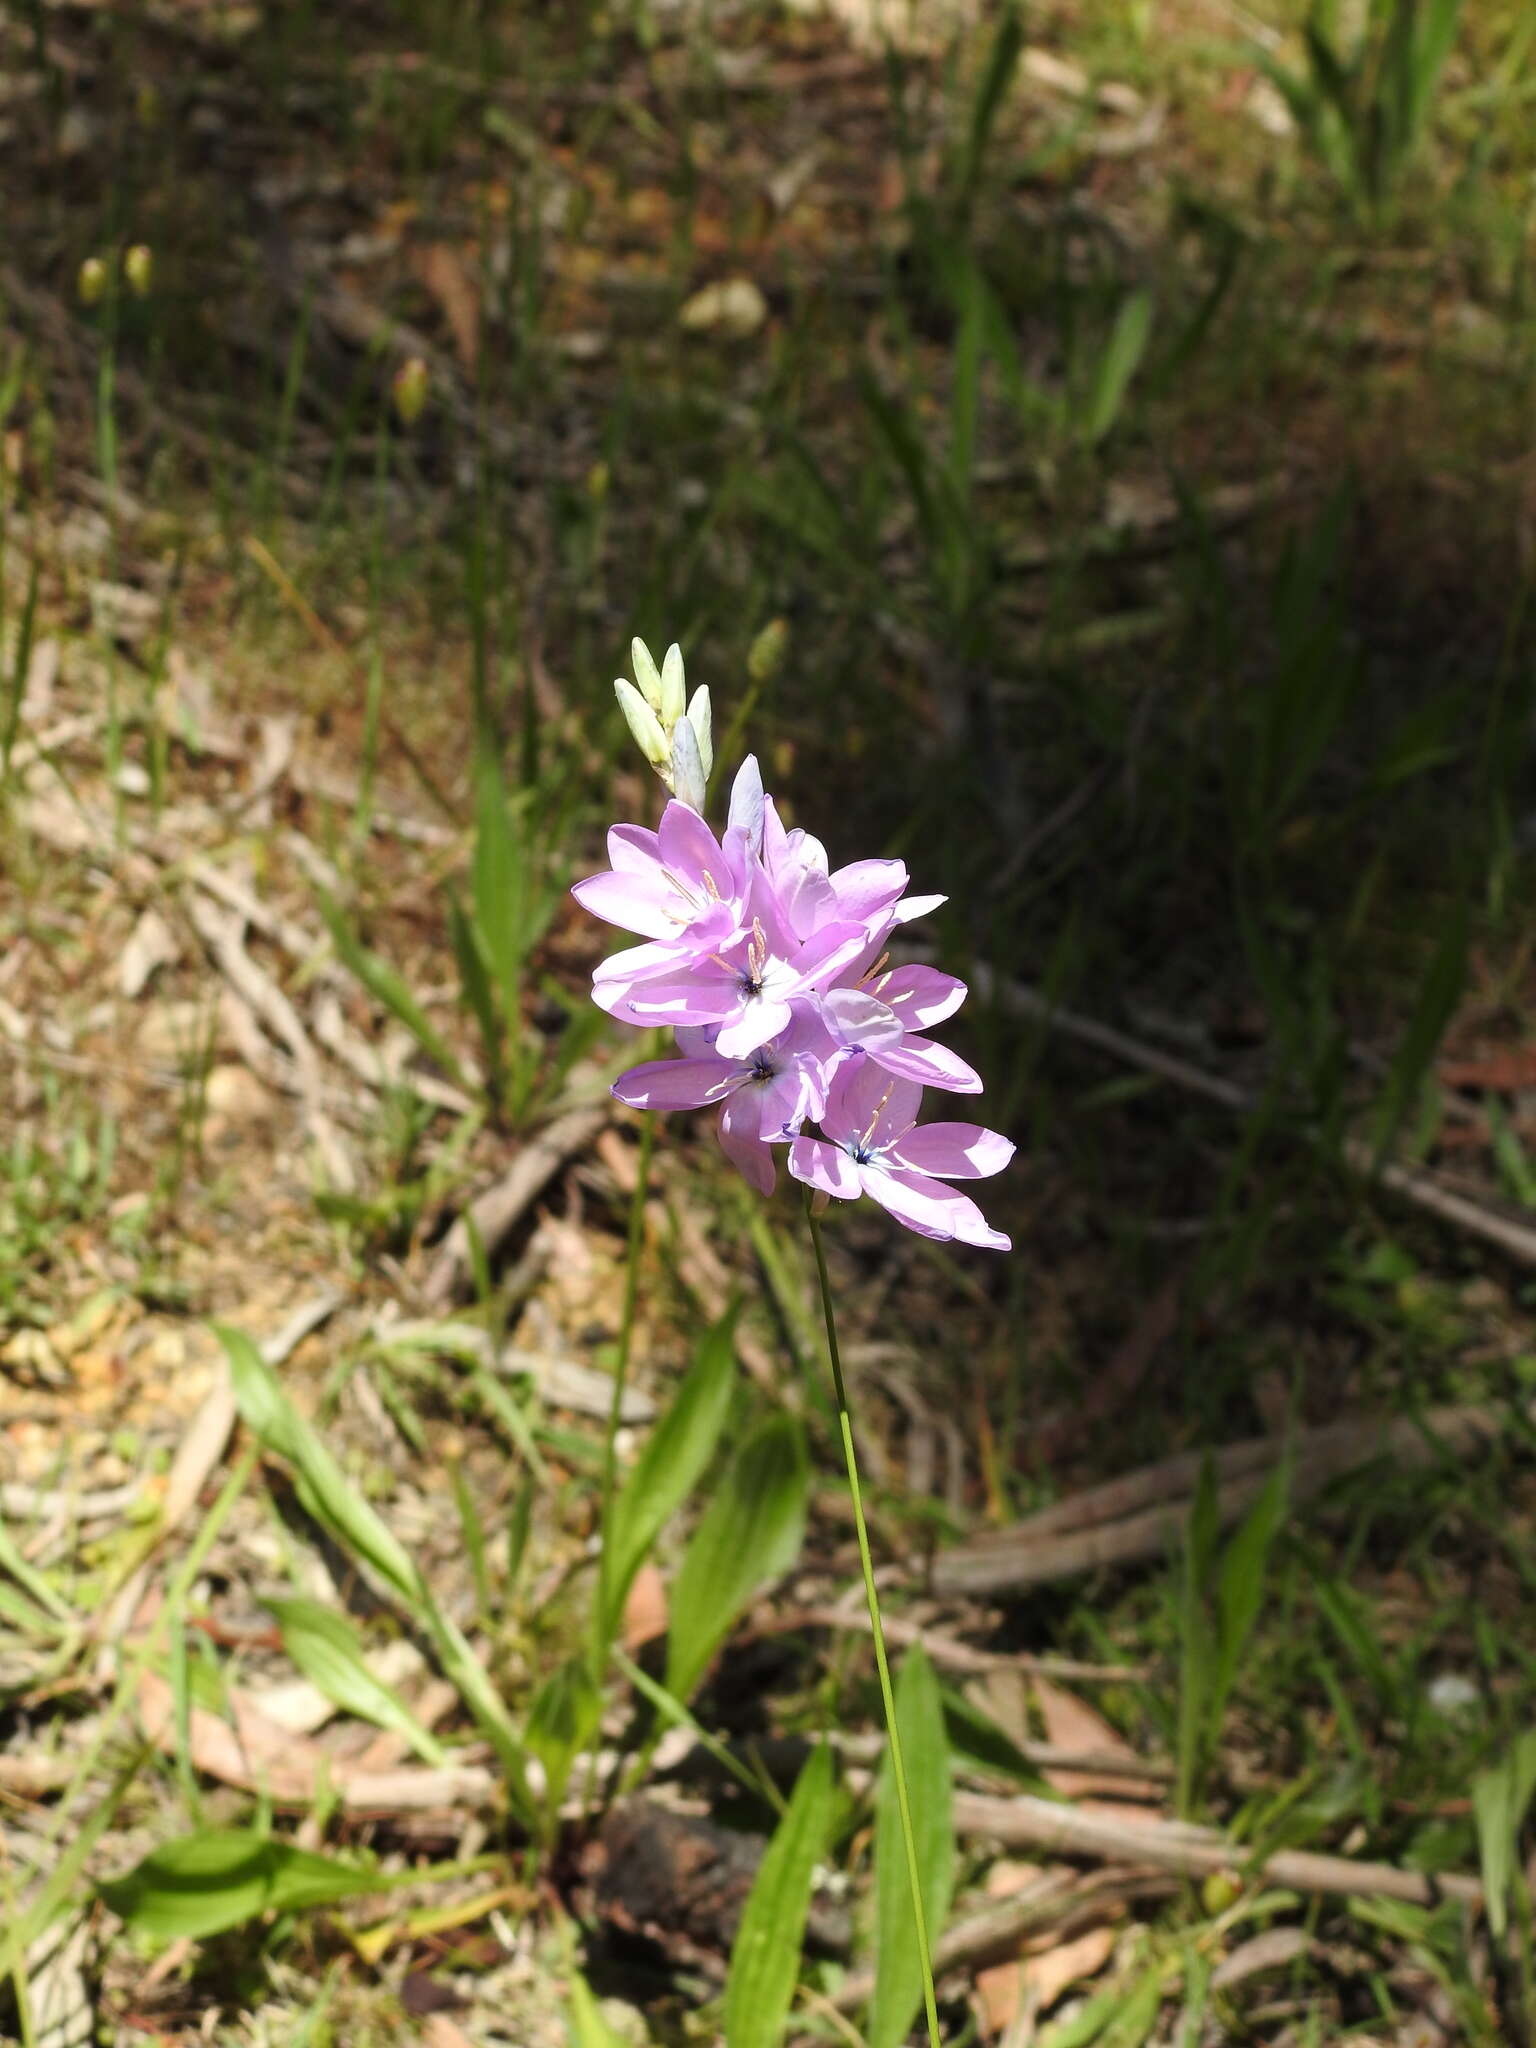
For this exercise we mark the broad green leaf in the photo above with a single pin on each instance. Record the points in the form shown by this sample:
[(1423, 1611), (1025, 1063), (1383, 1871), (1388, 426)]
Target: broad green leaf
[(335, 1503), (765, 1961), (1117, 365), (925, 1753), (588, 2028), (751, 1532), (500, 885), (667, 1470), (326, 1491), (325, 1648), (476, 986), (221, 1877), (567, 1709), (1500, 1800), (1240, 1586)]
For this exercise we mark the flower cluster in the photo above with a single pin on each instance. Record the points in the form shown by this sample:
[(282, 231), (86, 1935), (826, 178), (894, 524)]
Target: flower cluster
[(770, 966)]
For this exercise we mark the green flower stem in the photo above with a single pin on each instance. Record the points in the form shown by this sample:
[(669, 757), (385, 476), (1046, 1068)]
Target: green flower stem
[(898, 1769)]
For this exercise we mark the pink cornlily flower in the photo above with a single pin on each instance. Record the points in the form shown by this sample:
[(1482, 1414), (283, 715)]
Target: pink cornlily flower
[(873, 1145), (907, 996), (679, 879), (765, 1095)]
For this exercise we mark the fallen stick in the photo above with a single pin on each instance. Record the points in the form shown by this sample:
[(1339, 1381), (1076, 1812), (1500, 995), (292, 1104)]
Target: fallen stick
[(494, 1213), (1025, 1822), (996, 1933), (949, 1651), (1142, 1515), (1410, 1183)]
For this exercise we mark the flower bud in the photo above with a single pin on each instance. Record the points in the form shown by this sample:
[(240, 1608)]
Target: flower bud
[(647, 676), (139, 269), (700, 718), (91, 284), (767, 651), (643, 724), (599, 477), (1220, 1891), (412, 383), (688, 777), (670, 710)]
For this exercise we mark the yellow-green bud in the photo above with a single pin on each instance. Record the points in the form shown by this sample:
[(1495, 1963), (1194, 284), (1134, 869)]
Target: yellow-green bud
[(411, 386), (673, 689), (643, 724), (139, 269), (598, 480), (91, 284), (647, 675), (1220, 1891), (767, 651)]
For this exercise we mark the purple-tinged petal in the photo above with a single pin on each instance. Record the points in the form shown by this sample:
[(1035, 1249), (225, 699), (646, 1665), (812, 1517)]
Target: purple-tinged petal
[(869, 1107), (743, 1145), (641, 963), (857, 1018), (746, 812), (915, 906), (633, 849), (668, 999), (758, 1020), (920, 996), (929, 1064), (824, 1166), (677, 1084), (688, 847), (931, 1209), (953, 1151), (867, 888), (635, 902), (697, 1041)]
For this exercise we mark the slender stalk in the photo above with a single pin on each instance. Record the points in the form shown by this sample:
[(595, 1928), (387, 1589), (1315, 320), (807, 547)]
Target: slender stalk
[(893, 1734)]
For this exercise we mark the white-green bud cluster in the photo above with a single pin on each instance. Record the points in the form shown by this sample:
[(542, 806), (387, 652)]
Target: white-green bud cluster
[(673, 733)]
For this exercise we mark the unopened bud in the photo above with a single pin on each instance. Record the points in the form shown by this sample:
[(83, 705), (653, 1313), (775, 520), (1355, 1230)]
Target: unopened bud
[(701, 719), (647, 675), (767, 651), (688, 777), (139, 269), (91, 284), (412, 384), (598, 479), (1220, 1891), (673, 689), (643, 724)]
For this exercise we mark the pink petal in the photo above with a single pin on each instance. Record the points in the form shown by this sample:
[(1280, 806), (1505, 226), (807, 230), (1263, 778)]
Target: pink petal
[(757, 1021), (742, 1144), (930, 1065), (688, 847), (915, 906), (867, 888), (677, 1084), (825, 1166), (632, 849), (870, 1106), (920, 996), (746, 812), (955, 1151), (931, 1209), (859, 1019), (633, 901)]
